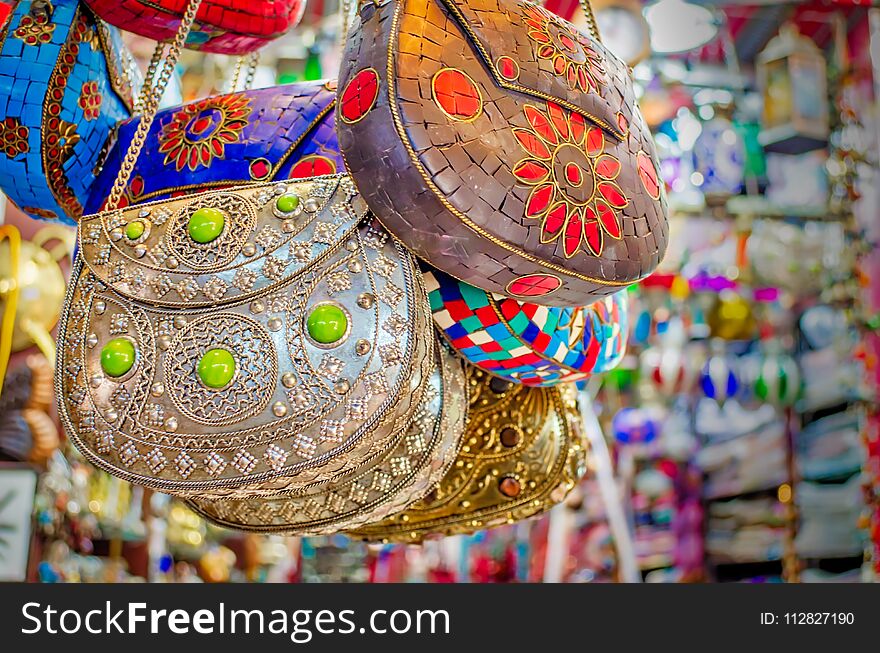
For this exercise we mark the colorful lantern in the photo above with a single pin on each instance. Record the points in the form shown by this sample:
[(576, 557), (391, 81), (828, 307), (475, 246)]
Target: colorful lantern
[(670, 367), (793, 82), (775, 377), (718, 379), (635, 426)]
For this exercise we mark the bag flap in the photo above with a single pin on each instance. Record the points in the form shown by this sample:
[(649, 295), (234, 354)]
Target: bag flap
[(252, 136), (530, 50), (147, 254)]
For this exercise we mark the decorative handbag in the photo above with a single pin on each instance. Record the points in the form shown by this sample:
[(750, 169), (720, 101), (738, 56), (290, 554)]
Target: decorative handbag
[(503, 146), (219, 342), (389, 482), (65, 81), (525, 450), (524, 342), (270, 134), (222, 26), (288, 132)]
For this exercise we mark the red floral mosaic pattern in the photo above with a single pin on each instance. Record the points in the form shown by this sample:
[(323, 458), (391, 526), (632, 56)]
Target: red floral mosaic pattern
[(571, 52), (508, 68), (648, 175), (13, 137), (457, 94), (359, 97), (574, 195), (90, 100), (534, 285), (313, 166), (199, 132), (35, 28)]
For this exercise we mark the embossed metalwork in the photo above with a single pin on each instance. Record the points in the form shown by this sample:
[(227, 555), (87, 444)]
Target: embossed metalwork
[(282, 421), (524, 450), (424, 450)]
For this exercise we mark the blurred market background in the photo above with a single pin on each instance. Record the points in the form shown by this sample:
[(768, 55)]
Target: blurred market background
[(743, 424)]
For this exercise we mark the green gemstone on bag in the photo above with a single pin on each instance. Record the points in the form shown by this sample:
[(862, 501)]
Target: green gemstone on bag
[(327, 324), (287, 203), (118, 357), (134, 230), (206, 224), (216, 368)]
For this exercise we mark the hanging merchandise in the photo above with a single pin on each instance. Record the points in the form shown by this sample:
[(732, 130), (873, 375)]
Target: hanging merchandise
[(720, 157), (731, 317), (41, 285), (226, 27), (774, 376), (65, 81), (636, 425), (718, 379), (674, 367), (27, 431), (624, 30), (793, 81), (563, 205), (423, 450), (802, 258), (524, 342), (283, 132), (524, 450), (319, 328)]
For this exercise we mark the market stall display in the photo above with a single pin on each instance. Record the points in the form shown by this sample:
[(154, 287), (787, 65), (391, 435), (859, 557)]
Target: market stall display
[(494, 293)]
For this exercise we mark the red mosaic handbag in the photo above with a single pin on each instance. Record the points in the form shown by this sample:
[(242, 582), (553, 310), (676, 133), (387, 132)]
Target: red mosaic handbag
[(224, 26), (502, 145)]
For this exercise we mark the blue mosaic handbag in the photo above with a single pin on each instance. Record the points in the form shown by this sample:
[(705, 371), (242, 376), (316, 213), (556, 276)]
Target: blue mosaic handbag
[(65, 81), (270, 134)]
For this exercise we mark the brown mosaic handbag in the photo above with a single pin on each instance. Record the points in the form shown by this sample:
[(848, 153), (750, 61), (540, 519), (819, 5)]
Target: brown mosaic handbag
[(504, 146)]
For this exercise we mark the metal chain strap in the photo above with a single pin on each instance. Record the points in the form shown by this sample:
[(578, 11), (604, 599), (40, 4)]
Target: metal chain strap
[(592, 25), (253, 62), (346, 9), (247, 62), (149, 77), (150, 106)]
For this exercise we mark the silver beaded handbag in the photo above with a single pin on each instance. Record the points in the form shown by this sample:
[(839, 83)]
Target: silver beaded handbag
[(286, 350), (386, 484), (242, 341)]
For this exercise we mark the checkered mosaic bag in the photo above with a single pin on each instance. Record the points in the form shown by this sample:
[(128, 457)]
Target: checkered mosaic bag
[(503, 146), (223, 26), (65, 81), (525, 342)]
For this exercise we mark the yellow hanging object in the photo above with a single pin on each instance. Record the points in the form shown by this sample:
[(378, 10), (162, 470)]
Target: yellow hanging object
[(731, 318), (680, 289), (10, 289), (41, 284)]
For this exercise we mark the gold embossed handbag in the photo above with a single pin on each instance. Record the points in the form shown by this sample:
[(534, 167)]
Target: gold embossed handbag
[(247, 340), (386, 484), (524, 450)]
